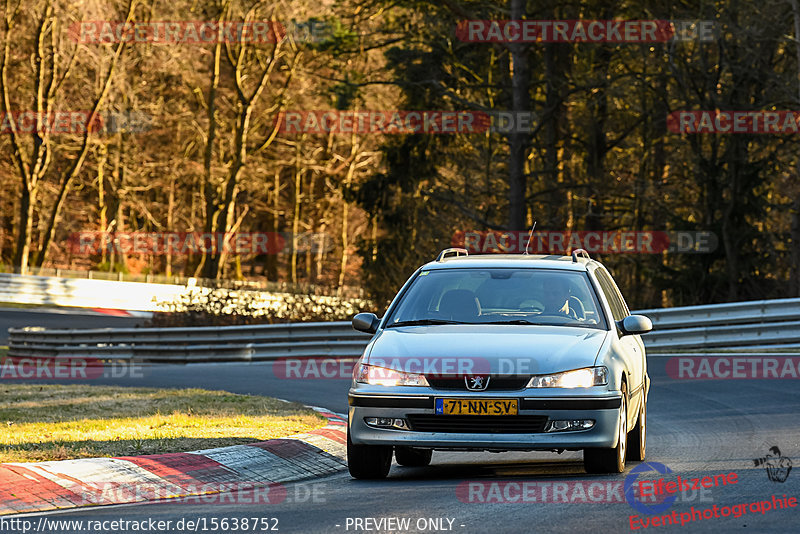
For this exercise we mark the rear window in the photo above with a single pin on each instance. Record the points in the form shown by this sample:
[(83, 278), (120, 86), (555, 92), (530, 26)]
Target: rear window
[(497, 295)]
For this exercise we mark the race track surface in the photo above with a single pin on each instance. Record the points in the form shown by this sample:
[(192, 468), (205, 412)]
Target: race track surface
[(697, 428)]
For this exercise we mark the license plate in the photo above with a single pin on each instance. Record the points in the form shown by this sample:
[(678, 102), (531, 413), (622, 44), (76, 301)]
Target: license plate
[(476, 406)]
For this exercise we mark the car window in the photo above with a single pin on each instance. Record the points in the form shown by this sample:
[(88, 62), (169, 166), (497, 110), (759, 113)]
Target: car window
[(498, 295), (618, 308)]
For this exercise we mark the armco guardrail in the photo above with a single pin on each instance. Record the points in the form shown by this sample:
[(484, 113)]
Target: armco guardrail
[(757, 324), (725, 314), (753, 324), (198, 344)]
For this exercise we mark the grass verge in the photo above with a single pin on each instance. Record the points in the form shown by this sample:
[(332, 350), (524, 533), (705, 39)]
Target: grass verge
[(60, 422)]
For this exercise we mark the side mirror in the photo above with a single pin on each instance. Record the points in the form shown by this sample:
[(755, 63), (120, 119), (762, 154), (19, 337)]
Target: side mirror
[(366, 322), (635, 324)]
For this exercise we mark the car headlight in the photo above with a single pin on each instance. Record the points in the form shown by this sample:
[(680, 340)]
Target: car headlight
[(579, 378), (381, 376)]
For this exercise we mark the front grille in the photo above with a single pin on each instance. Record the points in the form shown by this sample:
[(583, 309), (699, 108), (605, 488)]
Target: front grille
[(496, 383), (478, 424)]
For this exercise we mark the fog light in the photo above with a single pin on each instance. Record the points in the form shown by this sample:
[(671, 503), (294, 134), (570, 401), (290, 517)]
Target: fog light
[(400, 423), (564, 426), (386, 422)]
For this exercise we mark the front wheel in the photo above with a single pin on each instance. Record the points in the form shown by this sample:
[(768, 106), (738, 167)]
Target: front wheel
[(611, 460), (412, 457), (368, 461)]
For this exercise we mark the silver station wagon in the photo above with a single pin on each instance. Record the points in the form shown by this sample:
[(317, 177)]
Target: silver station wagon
[(501, 353)]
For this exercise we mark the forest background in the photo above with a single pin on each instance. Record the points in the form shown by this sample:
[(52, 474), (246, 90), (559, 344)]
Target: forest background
[(191, 140)]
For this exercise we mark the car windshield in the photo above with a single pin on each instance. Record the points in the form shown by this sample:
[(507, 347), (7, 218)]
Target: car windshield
[(499, 296)]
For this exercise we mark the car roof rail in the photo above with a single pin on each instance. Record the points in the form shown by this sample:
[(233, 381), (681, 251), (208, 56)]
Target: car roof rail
[(580, 253), (452, 252)]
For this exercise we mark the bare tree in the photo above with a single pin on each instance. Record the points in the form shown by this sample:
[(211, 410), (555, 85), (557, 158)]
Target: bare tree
[(247, 63)]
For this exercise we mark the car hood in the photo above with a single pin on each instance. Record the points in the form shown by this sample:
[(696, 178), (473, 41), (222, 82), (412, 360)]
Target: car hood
[(471, 349)]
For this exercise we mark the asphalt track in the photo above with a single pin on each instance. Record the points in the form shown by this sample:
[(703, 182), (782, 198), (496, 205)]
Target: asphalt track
[(696, 428)]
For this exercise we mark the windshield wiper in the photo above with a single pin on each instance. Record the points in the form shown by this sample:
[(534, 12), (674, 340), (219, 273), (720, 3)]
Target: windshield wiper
[(420, 322), (515, 321), (526, 322)]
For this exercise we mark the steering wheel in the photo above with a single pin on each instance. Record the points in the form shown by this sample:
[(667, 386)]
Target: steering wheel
[(576, 306)]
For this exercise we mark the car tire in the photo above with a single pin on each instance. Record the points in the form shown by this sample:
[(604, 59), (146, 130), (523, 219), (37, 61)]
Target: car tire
[(611, 460), (637, 438), (368, 462), (413, 457)]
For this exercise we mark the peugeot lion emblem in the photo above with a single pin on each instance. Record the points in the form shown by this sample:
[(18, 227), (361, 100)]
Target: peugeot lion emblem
[(476, 383)]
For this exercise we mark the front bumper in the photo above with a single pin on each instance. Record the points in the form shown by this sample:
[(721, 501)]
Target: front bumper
[(602, 408)]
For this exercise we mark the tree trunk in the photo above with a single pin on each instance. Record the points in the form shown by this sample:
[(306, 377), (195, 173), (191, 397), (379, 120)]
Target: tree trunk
[(555, 80), (346, 213), (298, 183), (209, 193), (170, 224), (101, 198), (227, 209), (795, 210), (518, 141), (25, 230), (118, 190), (272, 259), (795, 235), (320, 251)]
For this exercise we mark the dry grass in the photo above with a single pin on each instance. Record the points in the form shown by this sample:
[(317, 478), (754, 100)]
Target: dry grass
[(59, 422)]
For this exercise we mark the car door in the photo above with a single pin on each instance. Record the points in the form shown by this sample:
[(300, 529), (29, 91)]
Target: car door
[(632, 345)]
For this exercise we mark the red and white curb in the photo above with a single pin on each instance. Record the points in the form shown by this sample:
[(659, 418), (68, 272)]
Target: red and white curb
[(42, 486)]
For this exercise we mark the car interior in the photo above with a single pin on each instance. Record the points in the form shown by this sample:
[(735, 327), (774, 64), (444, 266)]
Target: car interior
[(491, 296)]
